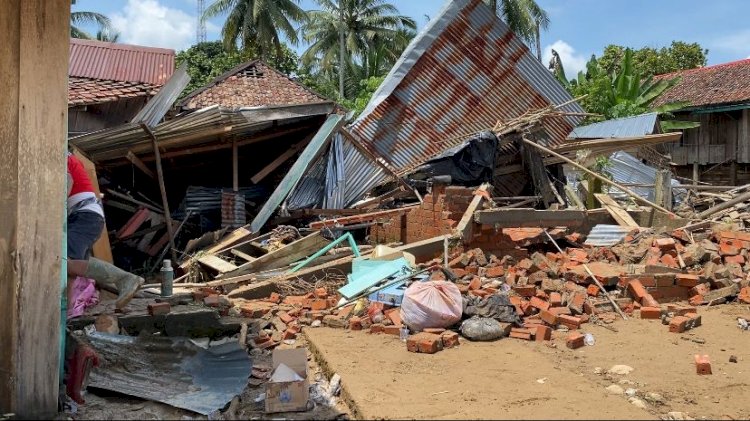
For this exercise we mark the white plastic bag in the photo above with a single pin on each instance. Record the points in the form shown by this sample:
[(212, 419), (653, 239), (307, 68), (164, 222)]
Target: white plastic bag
[(432, 304)]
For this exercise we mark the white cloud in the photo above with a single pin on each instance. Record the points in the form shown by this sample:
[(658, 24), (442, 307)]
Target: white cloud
[(150, 23), (737, 43), (572, 61)]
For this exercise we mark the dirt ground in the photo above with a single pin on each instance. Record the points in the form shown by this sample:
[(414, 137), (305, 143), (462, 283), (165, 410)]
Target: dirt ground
[(514, 379)]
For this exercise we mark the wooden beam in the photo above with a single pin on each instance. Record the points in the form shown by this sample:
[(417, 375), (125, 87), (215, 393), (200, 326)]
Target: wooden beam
[(619, 214), (244, 256), (33, 120), (233, 238), (140, 164), (363, 217), (235, 167), (102, 248), (163, 189), (464, 227), (290, 253), (530, 218), (216, 263), (268, 169)]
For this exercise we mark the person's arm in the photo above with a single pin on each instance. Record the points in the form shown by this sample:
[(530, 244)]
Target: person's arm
[(70, 183)]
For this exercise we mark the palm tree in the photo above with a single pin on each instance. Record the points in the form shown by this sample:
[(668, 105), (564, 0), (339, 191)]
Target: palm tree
[(107, 35), (524, 17), (258, 23), (83, 18), (373, 32)]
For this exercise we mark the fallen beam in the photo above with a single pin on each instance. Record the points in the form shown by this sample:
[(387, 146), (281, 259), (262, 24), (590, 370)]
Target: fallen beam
[(356, 219), (530, 218), (619, 214), (463, 229)]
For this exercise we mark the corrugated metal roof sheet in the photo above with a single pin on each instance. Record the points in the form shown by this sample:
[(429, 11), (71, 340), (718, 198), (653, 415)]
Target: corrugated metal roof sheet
[(122, 62), (634, 126), (606, 235), (463, 72)]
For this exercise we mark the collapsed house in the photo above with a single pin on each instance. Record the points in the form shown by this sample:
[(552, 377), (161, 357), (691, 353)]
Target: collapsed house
[(464, 177)]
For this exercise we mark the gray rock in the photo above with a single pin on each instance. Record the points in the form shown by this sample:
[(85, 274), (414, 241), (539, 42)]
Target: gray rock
[(621, 370), (615, 389)]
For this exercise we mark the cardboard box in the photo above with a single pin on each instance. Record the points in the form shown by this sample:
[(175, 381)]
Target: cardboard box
[(288, 396)]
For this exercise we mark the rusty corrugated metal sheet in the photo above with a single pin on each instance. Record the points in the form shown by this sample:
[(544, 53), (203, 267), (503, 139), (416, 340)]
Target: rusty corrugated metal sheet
[(463, 72), (459, 76), (131, 63)]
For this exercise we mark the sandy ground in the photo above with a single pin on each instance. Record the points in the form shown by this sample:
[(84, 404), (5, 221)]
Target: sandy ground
[(514, 379)]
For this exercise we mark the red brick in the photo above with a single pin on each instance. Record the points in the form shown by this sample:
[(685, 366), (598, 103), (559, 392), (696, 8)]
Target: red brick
[(555, 299), (434, 330), (687, 280), (392, 330), (637, 290), (744, 295), (650, 313), (649, 301), (255, 309), (159, 309), (557, 311), (543, 333), (321, 293), (426, 343), (274, 298), (539, 303), (696, 300), (584, 318), (670, 261), (525, 290), (520, 333), (592, 290), (695, 318), (212, 301), (576, 303), (289, 334), (459, 272), (739, 259), (355, 323), (318, 304), (394, 314), (571, 322), (665, 244), (702, 365), (575, 340), (376, 328), (678, 324), (297, 300), (285, 317), (450, 339), (548, 317), (479, 293), (729, 248), (701, 289), (495, 272), (475, 283), (267, 343)]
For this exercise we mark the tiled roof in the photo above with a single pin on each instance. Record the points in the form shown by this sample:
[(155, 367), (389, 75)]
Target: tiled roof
[(128, 63), (726, 83), (251, 84), (86, 91)]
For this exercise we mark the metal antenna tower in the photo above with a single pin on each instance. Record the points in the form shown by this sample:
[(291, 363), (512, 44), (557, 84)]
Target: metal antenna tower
[(200, 31)]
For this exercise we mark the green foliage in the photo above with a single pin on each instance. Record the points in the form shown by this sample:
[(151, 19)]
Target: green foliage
[(521, 16), (208, 60), (367, 87), (650, 61), (258, 24), (84, 18)]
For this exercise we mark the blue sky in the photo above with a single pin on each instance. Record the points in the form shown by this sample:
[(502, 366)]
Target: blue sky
[(578, 28)]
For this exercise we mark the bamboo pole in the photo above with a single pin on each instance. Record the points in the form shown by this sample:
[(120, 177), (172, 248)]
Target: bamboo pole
[(598, 177)]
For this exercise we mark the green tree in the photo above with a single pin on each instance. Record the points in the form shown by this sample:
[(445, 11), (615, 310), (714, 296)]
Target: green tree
[(107, 35), (375, 35), (84, 18), (208, 60), (650, 61), (258, 24), (524, 17)]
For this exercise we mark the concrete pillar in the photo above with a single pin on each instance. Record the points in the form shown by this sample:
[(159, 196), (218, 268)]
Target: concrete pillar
[(34, 50)]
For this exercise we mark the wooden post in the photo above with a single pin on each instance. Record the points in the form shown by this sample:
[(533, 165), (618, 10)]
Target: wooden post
[(696, 172), (733, 172), (33, 131), (163, 189), (663, 188), (235, 167)]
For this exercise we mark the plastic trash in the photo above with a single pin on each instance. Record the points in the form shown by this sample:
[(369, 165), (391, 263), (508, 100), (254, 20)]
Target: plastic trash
[(481, 329), (432, 304), (496, 306), (403, 333), (589, 340)]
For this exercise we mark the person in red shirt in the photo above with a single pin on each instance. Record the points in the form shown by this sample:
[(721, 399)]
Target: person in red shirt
[(85, 224)]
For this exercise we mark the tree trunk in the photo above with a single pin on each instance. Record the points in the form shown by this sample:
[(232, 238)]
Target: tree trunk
[(342, 50)]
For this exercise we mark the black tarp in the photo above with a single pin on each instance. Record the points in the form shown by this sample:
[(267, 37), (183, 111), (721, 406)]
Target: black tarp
[(470, 163)]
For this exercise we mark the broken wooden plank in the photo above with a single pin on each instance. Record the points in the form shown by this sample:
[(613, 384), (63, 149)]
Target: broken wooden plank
[(243, 256), (619, 214), (525, 218), (364, 217), (140, 164), (268, 169), (463, 229), (216, 263), (233, 238), (279, 258)]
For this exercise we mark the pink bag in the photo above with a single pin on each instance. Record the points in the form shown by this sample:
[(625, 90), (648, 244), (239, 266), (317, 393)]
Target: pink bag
[(82, 294), (432, 304)]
